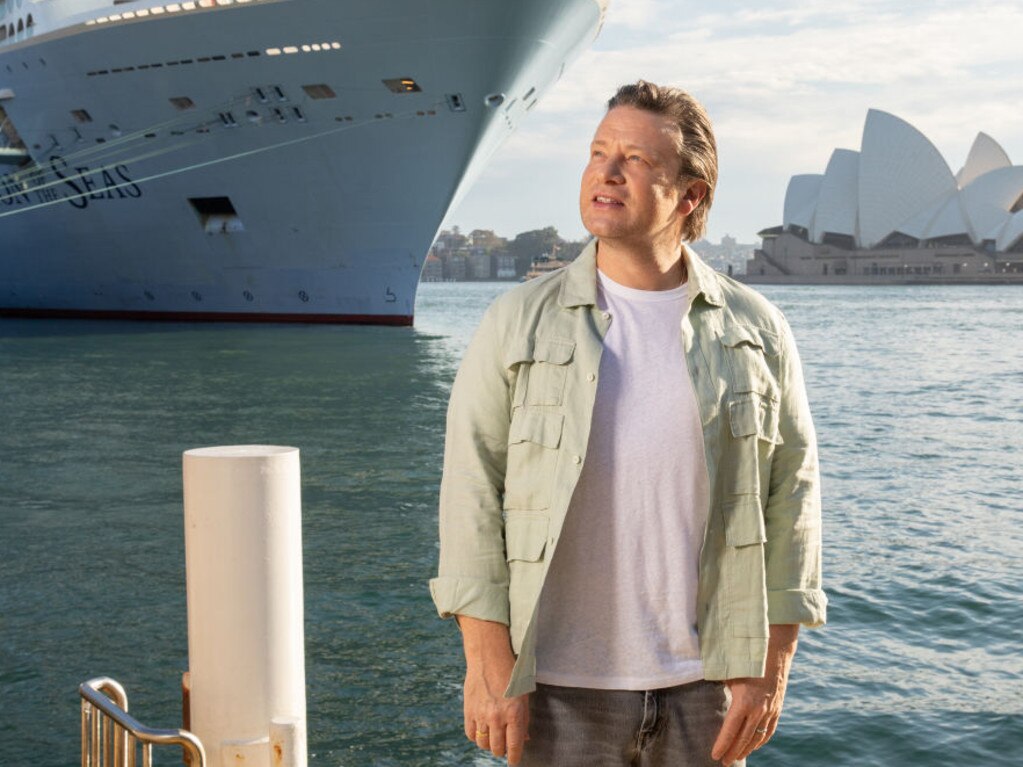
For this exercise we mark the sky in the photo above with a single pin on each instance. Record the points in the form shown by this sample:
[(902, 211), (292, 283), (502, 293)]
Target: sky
[(785, 83)]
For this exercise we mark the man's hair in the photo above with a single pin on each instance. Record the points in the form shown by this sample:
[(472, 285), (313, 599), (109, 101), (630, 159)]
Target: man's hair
[(697, 148)]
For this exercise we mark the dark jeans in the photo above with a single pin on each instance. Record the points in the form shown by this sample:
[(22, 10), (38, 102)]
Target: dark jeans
[(671, 727)]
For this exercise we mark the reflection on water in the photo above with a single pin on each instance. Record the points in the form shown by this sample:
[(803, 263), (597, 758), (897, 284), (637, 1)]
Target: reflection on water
[(916, 396)]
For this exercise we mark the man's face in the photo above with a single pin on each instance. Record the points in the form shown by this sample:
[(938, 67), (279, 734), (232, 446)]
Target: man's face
[(631, 191)]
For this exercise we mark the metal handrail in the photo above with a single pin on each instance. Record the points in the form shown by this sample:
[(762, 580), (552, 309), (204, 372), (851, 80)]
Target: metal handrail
[(110, 737)]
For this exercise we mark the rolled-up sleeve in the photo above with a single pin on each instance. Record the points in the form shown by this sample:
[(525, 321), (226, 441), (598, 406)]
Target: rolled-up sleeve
[(472, 577), (793, 513)]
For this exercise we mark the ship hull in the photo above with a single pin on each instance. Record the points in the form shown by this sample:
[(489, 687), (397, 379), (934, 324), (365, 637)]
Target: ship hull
[(294, 186)]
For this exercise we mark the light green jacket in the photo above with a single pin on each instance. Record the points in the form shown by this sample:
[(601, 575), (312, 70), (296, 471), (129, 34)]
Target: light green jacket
[(517, 431)]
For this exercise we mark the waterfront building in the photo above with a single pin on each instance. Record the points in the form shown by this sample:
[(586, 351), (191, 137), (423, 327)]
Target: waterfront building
[(455, 268), (433, 269), (894, 212), (505, 266), (480, 267)]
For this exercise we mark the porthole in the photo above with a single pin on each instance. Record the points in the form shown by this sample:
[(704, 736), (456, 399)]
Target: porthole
[(494, 100), (319, 91), (402, 85), (248, 296), (303, 296)]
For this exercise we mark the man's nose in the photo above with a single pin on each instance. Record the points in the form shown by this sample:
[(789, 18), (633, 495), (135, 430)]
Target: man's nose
[(611, 170)]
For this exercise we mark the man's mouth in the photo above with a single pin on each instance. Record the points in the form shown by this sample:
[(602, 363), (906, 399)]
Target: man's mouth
[(602, 199)]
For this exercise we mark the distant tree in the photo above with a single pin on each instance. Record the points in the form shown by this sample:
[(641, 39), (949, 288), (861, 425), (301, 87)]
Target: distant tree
[(529, 245), (486, 239)]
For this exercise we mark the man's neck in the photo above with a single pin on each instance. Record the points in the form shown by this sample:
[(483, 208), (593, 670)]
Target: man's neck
[(647, 267)]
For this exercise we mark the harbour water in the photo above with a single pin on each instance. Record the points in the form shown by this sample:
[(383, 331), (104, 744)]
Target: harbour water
[(916, 393)]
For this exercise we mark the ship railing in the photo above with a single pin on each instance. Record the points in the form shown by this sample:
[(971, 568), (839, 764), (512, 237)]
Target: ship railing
[(112, 738)]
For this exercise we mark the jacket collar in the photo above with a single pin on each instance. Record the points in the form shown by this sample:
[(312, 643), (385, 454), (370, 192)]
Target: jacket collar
[(579, 287)]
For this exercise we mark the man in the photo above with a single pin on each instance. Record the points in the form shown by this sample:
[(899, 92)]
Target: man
[(630, 510)]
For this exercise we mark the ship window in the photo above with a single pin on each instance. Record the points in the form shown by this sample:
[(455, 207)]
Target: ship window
[(402, 85), (455, 102), (320, 91), (182, 102), (29, 23), (81, 116), (217, 214), (21, 25), (3, 33)]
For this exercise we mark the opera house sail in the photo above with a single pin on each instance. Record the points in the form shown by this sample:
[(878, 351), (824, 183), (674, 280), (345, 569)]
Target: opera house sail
[(895, 212)]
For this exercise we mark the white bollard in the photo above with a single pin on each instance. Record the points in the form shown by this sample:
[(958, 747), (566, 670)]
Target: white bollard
[(246, 643)]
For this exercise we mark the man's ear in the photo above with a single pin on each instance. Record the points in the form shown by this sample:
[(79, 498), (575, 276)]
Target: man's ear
[(693, 195)]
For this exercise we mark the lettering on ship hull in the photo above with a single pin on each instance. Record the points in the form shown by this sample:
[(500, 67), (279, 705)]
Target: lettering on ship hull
[(79, 186)]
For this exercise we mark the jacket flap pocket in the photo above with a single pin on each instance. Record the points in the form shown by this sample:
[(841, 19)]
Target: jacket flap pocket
[(528, 425), (765, 340), (525, 537), (744, 521), (517, 351), (754, 415), (557, 351)]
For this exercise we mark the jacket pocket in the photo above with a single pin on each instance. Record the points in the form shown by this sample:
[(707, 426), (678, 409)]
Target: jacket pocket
[(549, 371), (750, 353), (744, 521), (752, 436), (745, 535), (525, 541), (753, 414), (533, 439)]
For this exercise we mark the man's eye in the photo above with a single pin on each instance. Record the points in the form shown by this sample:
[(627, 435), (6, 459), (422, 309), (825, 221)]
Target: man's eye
[(635, 158)]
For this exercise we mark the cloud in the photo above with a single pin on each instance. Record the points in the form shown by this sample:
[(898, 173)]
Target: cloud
[(787, 82)]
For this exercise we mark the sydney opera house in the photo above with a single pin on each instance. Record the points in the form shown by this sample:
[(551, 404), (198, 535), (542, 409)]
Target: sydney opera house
[(895, 212)]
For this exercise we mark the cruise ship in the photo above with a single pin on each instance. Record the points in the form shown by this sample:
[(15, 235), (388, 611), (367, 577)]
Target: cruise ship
[(253, 160)]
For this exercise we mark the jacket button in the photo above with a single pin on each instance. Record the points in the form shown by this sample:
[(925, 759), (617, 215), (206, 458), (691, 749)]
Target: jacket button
[(577, 459), (606, 315), (591, 378)]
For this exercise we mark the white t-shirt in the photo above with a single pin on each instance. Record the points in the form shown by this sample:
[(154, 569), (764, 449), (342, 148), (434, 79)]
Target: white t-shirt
[(618, 607)]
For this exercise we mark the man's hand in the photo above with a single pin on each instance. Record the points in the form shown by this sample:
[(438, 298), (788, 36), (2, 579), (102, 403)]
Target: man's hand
[(756, 701), (493, 722)]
